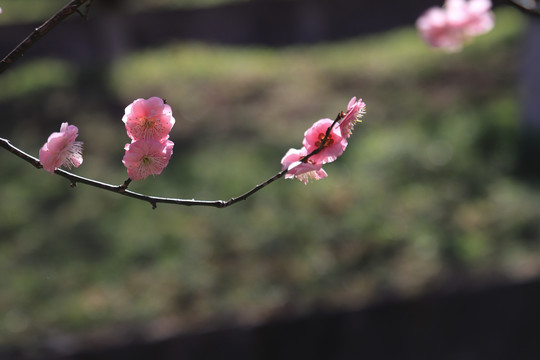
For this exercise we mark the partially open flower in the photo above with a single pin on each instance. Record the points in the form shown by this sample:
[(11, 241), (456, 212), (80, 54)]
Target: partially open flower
[(148, 119), (61, 149), (355, 111), (303, 171), (147, 157)]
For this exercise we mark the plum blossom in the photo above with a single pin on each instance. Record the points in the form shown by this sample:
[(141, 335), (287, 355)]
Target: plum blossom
[(333, 146), (306, 163), (460, 20), (148, 119), (62, 149), (147, 157), (148, 123), (303, 171), (355, 111)]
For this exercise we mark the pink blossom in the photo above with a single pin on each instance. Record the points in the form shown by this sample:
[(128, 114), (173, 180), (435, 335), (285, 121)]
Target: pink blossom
[(458, 21), (61, 149), (147, 157), (481, 18), (355, 111), (148, 119), (303, 171), (323, 143), (332, 147)]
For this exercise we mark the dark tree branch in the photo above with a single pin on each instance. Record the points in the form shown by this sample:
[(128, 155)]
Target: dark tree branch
[(122, 189), (41, 31), (530, 10)]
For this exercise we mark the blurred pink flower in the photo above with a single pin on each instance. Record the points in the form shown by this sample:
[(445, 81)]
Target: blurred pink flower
[(458, 21), (333, 146), (303, 171), (146, 157), (61, 149), (148, 119), (355, 111)]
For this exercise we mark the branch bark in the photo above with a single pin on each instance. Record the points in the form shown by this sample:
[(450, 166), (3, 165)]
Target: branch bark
[(534, 11), (122, 189), (40, 32)]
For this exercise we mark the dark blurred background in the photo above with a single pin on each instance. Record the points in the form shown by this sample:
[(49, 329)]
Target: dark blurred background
[(422, 243)]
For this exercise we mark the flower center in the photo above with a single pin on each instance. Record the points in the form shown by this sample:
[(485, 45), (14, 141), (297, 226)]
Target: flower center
[(329, 140), (148, 122), (145, 160)]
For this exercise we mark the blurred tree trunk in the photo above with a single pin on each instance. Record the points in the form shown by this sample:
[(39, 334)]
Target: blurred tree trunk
[(110, 40), (530, 75), (528, 164), (112, 36)]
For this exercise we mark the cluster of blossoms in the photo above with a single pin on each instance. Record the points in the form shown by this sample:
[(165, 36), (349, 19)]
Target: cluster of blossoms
[(459, 20), (148, 123), (322, 146), (61, 149)]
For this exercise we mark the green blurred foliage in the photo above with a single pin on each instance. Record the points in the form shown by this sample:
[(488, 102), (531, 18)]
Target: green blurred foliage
[(422, 199), (16, 11)]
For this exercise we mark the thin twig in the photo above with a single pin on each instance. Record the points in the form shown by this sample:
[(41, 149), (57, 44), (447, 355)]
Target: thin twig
[(122, 189), (534, 11), (39, 32)]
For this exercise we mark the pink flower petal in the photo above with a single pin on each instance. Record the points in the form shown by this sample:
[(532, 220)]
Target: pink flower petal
[(148, 119), (450, 27), (61, 149), (147, 157), (303, 171), (332, 147), (355, 111)]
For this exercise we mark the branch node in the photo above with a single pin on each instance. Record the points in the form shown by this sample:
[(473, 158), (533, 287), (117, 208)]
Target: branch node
[(122, 188)]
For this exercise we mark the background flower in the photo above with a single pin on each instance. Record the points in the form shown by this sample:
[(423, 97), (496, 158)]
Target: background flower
[(458, 21)]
